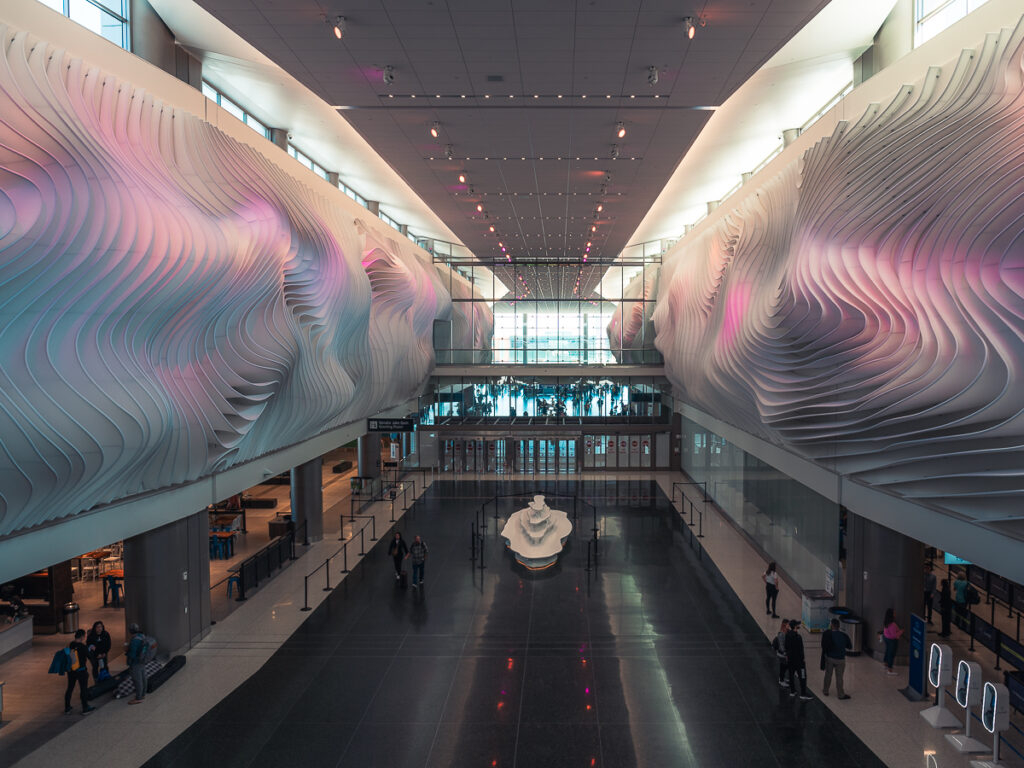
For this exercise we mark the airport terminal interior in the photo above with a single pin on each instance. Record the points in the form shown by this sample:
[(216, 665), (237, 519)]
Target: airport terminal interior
[(444, 383)]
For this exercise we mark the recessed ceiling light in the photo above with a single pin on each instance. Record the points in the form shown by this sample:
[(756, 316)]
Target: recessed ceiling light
[(462, 180)]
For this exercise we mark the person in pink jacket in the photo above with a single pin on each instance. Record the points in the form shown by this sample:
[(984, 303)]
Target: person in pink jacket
[(890, 636)]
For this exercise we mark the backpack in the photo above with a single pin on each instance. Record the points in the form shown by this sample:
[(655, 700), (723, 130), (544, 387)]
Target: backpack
[(971, 595), (149, 652), (75, 660)]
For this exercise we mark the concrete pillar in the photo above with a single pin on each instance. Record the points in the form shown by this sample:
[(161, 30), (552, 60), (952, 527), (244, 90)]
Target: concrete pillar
[(167, 582), (369, 455), (789, 136), (405, 445), (883, 570), (307, 497), (280, 137)]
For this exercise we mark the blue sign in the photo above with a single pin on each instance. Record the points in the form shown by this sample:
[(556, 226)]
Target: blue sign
[(954, 560), (918, 660)]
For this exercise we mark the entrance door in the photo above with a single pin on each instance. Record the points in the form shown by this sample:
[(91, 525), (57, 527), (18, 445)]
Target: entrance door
[(547, 456), (566, 456), (525, 458)]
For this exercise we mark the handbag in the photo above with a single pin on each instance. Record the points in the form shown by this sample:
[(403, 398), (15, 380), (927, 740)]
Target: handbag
[(104, 673)]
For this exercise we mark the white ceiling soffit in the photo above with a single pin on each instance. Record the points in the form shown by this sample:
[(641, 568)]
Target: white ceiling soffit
[(261, 86), (797, 81)]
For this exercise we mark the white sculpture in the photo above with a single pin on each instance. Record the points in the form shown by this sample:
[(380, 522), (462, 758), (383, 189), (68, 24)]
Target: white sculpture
[(537, 534)]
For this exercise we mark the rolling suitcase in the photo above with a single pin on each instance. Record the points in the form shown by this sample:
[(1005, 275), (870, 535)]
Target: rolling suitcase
[(403, 579)]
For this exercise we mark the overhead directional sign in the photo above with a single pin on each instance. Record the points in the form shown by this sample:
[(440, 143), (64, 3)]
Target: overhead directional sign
[(390, 425)]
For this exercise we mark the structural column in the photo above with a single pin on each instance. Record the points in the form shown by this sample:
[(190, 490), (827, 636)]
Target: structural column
[(884, 569), (369, 455), (307, 497), (167, 582)]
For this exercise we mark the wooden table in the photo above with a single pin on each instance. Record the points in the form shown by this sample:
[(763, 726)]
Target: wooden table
[(224, 522)]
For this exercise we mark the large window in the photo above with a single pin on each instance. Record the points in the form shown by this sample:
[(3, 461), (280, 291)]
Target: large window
[(933, 16), (229, 106), (108, 18)]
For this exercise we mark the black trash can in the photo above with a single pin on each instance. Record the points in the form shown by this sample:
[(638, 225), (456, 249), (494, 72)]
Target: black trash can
[(70, 618)]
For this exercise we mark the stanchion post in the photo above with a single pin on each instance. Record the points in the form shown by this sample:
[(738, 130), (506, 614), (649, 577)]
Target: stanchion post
[(690, 501), (482, 566), (700, 523), (305, 594), (589, 543), (373, 528), (344, 552), (341, 527), (327, 572), (392, 510), (472, 541), (362, 540)]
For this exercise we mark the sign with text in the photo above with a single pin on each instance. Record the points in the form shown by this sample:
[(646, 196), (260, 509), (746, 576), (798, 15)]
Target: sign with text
[(389, 425)]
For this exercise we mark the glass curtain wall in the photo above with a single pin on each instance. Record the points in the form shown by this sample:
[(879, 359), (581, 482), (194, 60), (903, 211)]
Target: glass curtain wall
[(540, 316), (792, 524)]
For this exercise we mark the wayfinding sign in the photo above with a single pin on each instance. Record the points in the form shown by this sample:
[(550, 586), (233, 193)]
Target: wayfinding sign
[(390, 425)]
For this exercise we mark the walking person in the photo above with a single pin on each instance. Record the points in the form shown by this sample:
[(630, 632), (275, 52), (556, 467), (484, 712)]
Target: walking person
[(890, 636), (779, 646), (78, 672), (398, 550), (771, 590), (98, 644), (834, 645), (945, 607), (138, 649), (418, 553), (795, 660), (929, 592)]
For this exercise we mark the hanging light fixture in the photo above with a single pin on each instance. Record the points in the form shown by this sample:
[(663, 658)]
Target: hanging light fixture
[(620, 130), (435, 129), (339, 27), (690, 25), (462, 178)]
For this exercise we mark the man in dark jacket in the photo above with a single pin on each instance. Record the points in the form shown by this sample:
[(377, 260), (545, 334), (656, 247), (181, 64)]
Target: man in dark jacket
[(78, 672), (397, 550), (418, 552), (834, 645), (795, 660)]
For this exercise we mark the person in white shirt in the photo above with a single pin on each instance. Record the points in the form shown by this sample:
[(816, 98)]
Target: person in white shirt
[(771, 590)]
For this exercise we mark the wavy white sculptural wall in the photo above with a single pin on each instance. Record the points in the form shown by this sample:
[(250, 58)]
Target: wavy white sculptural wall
[(631, 326), (865, 307), (171, 301)]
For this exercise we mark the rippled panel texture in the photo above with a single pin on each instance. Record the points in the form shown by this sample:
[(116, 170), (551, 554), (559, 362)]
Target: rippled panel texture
[(171, 302), (631, 323), (865, 306)]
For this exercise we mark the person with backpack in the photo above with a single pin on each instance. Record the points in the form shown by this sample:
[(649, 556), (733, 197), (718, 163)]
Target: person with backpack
[(141, 649), (77, 672), (779, 646), (418, 553)]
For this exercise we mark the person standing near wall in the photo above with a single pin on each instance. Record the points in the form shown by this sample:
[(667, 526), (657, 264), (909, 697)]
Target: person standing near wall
[(137, 652), (945, 607), (834, 645), (771, 589), (890, 636), (929, 592)]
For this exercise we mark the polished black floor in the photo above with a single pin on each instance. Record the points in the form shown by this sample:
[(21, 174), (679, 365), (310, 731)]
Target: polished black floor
[(648, 660)]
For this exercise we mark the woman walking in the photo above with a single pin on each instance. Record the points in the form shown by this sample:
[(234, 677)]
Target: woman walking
[(771, 590), (891, 637)]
